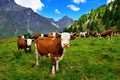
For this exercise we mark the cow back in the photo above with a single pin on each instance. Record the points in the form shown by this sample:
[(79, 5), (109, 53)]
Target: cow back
[(49, 45)]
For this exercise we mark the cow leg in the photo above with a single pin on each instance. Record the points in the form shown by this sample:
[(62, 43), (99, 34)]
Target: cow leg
[(57, 65), (58, 60), (53, 64), (62, 54), (37, 59), (110, 35), (18, 49), (25, 50), (30, 49), (37, 55)]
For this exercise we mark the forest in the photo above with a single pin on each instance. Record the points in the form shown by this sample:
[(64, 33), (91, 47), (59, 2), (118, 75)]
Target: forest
[(99, 19)]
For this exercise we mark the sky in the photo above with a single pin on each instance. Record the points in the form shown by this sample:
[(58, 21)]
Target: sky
[(56, 9)]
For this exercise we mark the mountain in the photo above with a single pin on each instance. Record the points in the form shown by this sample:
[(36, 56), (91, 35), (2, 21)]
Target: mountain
[(65, 22), (62, 23), (99, 19), (16, 20)]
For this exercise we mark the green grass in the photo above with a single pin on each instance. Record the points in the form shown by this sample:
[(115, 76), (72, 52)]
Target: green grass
[(85, 59)]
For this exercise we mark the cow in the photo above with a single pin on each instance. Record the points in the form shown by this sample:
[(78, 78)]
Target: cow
[(24, 43), (107, 33), (53, 47), (93, 34), (74, 36), (54, 34), (84, 34), (116, 32), (35, 36)]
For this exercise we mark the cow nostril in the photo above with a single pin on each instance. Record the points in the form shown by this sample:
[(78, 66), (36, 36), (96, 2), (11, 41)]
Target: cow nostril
[(66, 45), (29, 45)]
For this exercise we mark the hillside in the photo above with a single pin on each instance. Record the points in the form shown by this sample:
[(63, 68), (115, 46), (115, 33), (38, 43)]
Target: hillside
[(99, 19)]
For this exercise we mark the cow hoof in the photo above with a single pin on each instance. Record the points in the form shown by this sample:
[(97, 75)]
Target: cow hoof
[(53, 74), (35, 66), (57, 69)]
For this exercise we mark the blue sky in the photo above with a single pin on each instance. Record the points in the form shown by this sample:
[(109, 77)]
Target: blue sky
[(56, 9)]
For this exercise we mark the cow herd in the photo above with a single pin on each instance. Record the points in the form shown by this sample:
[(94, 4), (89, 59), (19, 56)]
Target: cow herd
[(105, 34), (54, 44)]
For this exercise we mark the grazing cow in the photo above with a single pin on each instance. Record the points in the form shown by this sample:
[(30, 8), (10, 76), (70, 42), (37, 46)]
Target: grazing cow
[(73, 36), (107, 33), (93, 34), (116, 32), (24, 43), (84, 34), (53, 47)]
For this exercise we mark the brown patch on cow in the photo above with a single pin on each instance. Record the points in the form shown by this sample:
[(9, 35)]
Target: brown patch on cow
[(49, 45), (107, 33), (35, 36), (51, 35)]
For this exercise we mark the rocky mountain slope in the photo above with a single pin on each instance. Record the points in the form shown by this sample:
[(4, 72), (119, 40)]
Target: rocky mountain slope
[(16, 20), (62, 23)]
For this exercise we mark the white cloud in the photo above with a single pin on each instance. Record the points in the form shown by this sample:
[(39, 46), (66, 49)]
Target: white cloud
[(33, 4), (108, 1), (78, 1), (73, 7), (57, 11)]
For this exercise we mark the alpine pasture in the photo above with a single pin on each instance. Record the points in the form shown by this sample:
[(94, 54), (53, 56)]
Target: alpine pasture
[(85, 59)]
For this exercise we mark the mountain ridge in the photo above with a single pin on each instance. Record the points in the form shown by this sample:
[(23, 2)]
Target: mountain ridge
[(61, 23), (16, 20)]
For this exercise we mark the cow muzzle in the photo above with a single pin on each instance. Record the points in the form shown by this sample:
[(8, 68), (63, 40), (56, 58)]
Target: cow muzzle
[(29, 45), (65, 45)]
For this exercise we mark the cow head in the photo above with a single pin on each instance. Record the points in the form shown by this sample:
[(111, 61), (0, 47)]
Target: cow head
[(21, 36), (35, 36), (29, 42), (65, 39)]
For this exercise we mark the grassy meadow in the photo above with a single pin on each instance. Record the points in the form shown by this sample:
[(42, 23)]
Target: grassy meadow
[(85, 59)]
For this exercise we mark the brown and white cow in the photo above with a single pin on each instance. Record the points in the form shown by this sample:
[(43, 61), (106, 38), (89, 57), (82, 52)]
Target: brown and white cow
[(116, 32), (74, 36), (93, 34), (53, 47), (84, 34), (107, 33), (23, 43)]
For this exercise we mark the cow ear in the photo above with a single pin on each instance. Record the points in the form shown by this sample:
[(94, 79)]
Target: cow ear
[(25, 39), (33, 39), (18, 36), (58, 35)]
